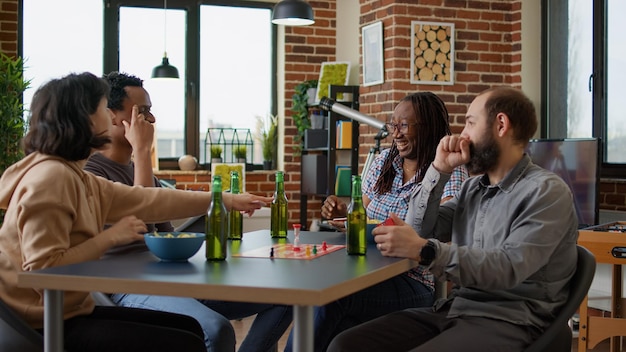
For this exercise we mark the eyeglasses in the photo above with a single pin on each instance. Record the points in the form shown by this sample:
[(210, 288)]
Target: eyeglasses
[(402, 127)]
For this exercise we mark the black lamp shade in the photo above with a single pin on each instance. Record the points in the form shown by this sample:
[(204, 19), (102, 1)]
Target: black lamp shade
[(165, 70), (293, 13)]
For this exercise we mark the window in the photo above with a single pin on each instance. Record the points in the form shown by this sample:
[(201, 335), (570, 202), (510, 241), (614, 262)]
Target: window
[(225, 53), (616, 77), (235, 70), (46, 55), (583, 98), (141, 47), (226, 62)]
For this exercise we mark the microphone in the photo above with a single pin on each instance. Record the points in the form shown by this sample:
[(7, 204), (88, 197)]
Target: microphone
[(328, 104)]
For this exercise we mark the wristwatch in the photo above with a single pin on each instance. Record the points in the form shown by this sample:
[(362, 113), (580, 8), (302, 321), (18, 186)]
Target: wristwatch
[(428, 253)]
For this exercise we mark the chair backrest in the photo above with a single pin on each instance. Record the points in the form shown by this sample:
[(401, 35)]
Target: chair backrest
[(16, 334), (558, 336)]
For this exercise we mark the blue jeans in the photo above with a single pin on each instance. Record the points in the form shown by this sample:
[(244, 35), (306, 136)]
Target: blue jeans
[(397, 293), (214, 317)]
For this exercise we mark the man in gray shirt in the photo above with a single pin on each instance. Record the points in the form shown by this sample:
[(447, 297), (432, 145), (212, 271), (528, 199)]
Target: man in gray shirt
[(513, 250)]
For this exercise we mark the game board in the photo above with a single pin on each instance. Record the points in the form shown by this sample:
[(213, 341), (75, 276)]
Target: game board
[(286, 251)]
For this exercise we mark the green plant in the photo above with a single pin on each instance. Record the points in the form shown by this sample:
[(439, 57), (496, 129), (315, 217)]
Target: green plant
[(240, 151), (300, 109), (12, 126), (267, 134), (216, 151)]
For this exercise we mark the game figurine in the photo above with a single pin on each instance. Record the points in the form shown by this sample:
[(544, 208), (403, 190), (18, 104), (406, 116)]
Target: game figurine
[(272, 252), (308, 250), (314, 249), (324, 246)]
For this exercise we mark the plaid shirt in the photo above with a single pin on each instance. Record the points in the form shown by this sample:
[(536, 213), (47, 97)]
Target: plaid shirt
[(397, 199)]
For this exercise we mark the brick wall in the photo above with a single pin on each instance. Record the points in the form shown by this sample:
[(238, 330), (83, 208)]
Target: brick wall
[(487, 52), (257, 182), (305, 50), (613, 194), (8, 26)]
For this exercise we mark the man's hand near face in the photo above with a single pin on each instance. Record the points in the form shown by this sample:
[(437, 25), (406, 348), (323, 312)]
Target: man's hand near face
[(140, 134), (452, 151)]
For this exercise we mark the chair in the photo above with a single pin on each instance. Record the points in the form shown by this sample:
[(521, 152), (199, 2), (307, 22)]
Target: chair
[(558, 336), (16, 334)]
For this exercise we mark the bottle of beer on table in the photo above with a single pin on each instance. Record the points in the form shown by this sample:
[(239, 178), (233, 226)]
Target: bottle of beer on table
[(216, 223), (235, 220), (357, 221), (278, 226)]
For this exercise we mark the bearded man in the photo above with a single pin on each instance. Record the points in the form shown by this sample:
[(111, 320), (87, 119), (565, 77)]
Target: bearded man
[(513, 233)]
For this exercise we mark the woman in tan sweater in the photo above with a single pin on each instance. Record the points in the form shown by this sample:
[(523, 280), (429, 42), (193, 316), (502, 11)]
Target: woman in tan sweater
[(55, 213)]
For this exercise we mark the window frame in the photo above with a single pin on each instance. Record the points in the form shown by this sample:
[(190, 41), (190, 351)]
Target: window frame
[(554, 118), (192, 131)]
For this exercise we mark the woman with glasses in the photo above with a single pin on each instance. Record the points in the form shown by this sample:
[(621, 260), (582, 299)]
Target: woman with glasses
[(419, 121)]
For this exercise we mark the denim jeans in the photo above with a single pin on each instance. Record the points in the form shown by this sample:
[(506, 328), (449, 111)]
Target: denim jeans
[(214, 317), (395, 294)]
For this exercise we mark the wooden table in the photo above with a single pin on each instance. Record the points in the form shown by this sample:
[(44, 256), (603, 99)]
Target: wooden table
[(592, 330), (301, 283)]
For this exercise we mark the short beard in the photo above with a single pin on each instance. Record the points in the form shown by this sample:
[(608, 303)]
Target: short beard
[(483, 157)]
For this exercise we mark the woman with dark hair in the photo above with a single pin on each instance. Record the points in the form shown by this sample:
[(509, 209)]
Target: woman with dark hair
[(55, 213), (419, 121)]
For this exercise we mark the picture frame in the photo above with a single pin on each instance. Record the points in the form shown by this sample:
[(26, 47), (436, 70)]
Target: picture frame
[(331, 73), (224, 169), (432, 53), (373, 54)]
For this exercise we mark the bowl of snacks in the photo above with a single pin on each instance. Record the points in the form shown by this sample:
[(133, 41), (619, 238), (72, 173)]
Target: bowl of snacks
[(174, 246)]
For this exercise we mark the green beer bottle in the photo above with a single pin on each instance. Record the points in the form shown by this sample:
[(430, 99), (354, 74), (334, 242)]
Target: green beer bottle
[(235, 220), (357, 221), (216, 223), (278, 227)]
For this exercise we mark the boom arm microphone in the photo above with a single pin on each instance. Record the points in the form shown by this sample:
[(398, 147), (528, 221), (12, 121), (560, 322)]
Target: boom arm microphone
[(330, 105)]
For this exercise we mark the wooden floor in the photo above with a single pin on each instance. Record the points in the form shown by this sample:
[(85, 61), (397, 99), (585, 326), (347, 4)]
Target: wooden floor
[(242, 326)]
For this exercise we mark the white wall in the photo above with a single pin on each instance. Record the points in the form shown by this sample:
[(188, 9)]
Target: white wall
[(348, 36)]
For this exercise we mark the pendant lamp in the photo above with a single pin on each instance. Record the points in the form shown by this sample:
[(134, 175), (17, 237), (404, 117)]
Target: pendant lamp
[(165, 70), (293, 13)]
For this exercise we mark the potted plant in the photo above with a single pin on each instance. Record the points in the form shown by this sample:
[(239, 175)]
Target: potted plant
[(300, 108), (239, 152), (267, 134), (12, 126), (216, 154)]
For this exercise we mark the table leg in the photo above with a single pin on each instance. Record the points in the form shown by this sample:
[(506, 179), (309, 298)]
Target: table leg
[(53, 320), (303, 328)]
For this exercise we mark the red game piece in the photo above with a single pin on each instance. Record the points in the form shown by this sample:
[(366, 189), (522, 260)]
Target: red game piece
[(324, 246), (387, 222)]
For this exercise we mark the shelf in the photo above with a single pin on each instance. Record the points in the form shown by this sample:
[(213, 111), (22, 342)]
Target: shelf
[(318, 167)]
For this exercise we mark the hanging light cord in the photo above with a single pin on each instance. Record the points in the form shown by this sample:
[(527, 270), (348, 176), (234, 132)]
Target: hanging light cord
[(165, 28)]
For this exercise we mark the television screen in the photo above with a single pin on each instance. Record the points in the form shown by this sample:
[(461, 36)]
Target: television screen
[(576, 161)]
